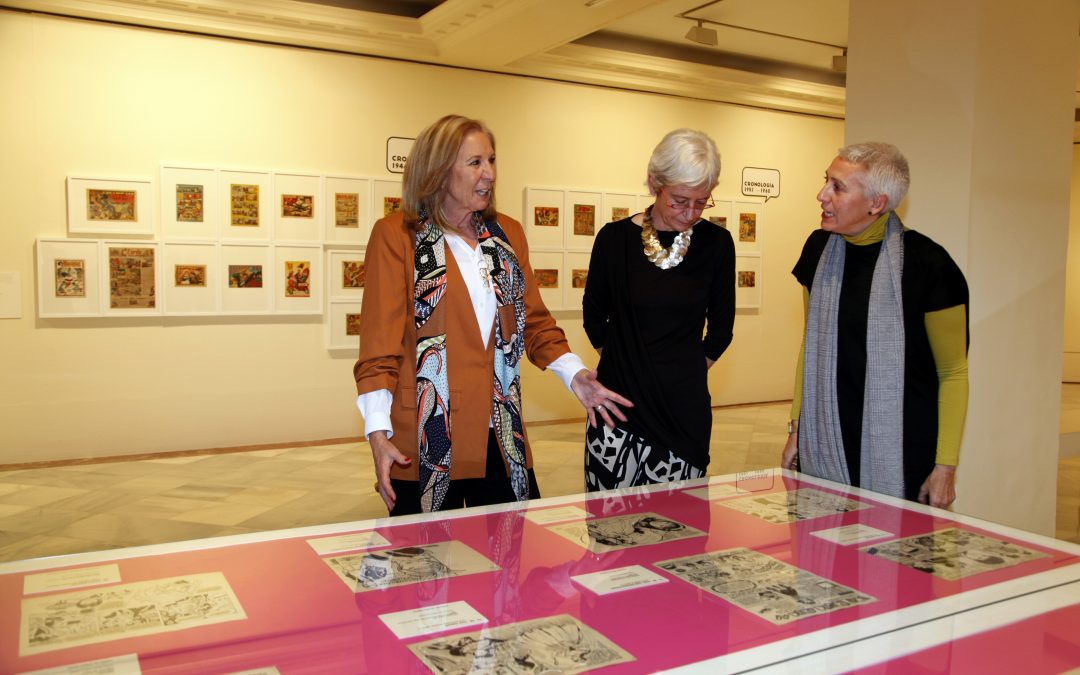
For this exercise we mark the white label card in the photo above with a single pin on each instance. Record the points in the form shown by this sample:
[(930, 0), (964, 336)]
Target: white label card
[(128, 664), (75, 578), (619, 579), (556, 515), (433, 619), (356, 541), (851, 534)]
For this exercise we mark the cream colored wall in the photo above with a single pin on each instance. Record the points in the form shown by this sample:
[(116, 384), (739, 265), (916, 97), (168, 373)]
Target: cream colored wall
[(105, 100), (1071, 361)]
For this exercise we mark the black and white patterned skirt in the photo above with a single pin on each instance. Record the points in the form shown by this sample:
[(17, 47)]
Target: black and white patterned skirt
[(617, 458)]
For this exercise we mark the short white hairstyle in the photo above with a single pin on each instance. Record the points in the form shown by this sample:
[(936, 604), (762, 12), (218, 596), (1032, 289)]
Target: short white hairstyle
[(885, 170), (685, 157)]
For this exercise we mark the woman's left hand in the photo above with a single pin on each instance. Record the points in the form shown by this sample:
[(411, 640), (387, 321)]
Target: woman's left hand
[(598, 400), (940, 487)]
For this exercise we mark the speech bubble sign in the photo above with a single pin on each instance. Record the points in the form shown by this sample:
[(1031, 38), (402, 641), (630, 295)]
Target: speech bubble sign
[(758, 182), (397, 152)]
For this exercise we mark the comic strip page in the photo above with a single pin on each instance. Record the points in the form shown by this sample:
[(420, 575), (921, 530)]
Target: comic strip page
[(782, 508), (601, 535), (775, 591), (557, 644), (953, 553), (143, 608), (408, 565)]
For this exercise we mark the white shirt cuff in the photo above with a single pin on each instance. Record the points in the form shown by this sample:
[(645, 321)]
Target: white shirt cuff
[(374, 407), (566, 367)]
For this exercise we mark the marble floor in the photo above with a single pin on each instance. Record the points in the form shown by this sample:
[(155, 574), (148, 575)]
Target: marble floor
[(83, 507)]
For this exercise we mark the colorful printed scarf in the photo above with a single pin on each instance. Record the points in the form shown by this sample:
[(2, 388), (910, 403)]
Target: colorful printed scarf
[(433, 423)]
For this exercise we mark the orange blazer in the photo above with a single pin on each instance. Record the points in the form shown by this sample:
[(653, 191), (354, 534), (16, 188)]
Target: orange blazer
[(388, 345)]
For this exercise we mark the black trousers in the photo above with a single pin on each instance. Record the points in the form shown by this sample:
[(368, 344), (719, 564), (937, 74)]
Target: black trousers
[(493, 488)]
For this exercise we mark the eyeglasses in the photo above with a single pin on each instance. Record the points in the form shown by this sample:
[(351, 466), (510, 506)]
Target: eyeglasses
[(682, 204)]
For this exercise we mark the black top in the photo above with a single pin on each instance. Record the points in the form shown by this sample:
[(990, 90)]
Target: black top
[(649, 323), (931, 281)]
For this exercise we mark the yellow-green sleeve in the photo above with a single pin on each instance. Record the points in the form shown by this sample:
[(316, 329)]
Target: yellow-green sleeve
[(947, 330), (796, 399)]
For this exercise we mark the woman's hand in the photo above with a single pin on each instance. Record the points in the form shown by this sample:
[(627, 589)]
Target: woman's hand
[(598, 400), (385, 455), (940, 487), (790, 458)]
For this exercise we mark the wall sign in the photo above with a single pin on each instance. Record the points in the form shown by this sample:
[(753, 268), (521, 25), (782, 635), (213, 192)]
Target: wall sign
[(757, 182), (397, 151)]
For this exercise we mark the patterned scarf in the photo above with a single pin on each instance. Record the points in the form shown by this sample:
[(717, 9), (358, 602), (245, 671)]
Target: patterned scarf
[(433, 424), (821, 445)]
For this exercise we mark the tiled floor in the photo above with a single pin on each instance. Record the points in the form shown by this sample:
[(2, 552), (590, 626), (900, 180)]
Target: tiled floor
[(83, 507)]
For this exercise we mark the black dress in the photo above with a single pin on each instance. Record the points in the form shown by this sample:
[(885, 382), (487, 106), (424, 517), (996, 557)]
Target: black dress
[(649, 323), (931, 281)]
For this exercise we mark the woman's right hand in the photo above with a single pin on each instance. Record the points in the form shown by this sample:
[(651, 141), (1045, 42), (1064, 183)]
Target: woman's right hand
[(386, 455), (790, 458)]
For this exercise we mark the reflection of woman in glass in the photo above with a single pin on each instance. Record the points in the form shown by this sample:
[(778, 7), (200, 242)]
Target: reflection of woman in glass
[(657, 282)]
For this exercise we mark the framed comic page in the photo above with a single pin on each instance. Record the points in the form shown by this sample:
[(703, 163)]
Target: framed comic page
[(576, 273), (721, 215), (245, 278), (748, 281), (544, 217), (189, 281), (110, 206), (583, 219), (347, 216), (246, 206), (385, 199), (189, 208), (343, 327), (298, 280), (68, 278), (547, 267), (345, 274), (130, 278), (298, 208), (617, 205), (747, 226)]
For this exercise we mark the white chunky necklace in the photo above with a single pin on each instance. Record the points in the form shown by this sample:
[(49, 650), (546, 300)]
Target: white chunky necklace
[(664, 258)]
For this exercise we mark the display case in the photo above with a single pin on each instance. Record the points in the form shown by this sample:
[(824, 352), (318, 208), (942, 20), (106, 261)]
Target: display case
[(730, 574)]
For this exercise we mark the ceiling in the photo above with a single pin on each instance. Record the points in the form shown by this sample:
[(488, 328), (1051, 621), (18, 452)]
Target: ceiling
[(772, 54)]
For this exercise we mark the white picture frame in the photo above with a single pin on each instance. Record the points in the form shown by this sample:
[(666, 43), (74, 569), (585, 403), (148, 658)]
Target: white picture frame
[(748, 281), (190, 278), (299, 201), (338, 217), (721, 215), (238, 267), (342, 275), (68, 278), (385, 195), (110, 206), (644, 201), (130, 278), (544, 217), (618, 200), (339, 323), (574, 289), (189, 203), (747, 226), (546, 264), (583, 219), (246, 213), (298, 279)]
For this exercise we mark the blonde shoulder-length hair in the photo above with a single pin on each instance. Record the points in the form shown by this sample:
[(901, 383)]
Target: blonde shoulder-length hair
[(426, 182)]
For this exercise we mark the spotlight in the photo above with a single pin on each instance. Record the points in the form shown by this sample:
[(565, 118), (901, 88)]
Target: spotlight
[(702, 35)]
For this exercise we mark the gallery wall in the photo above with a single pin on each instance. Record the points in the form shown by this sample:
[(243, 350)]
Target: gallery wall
[(93, 99)]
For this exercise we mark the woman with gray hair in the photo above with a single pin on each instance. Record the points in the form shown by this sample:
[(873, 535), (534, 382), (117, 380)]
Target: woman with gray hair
[(881, 384), (657, 281)]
